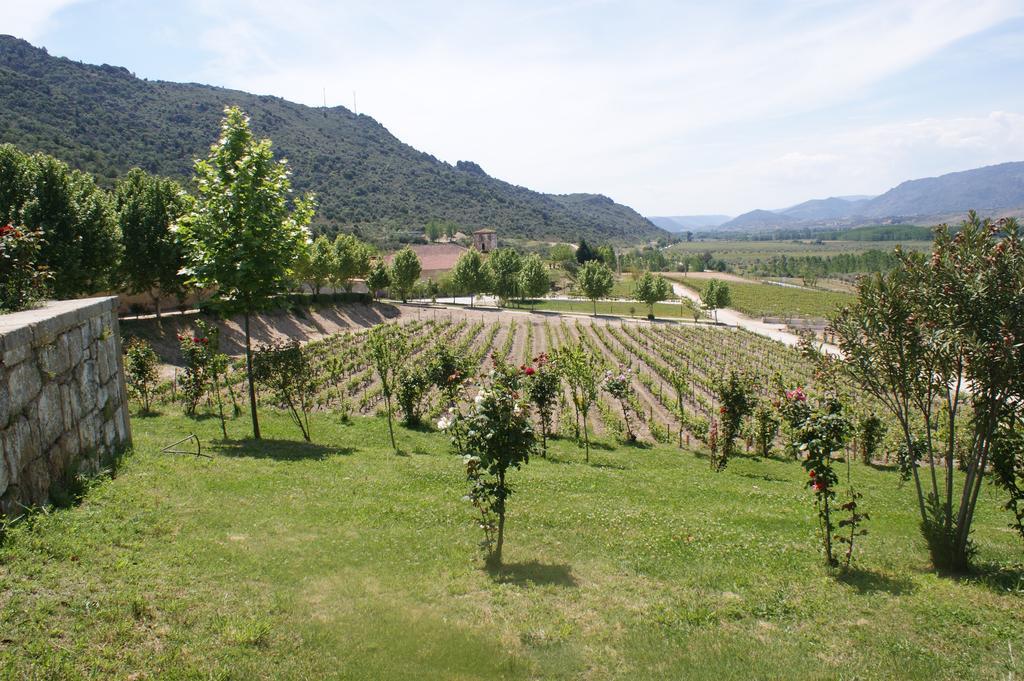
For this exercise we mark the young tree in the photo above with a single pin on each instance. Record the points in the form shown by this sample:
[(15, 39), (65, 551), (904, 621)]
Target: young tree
[(716, 295), (22, 279), (469, 276), (680, 380), (243, 238), (288, 370), (620, 386), (583, 371), (389, 350), (321, 264), (584, 254), (148, 209), (543, 387), (736, 399), (915, 337), (140, 370), (351, 260), (505, 265), (379, 278), (405, 270), (496, 436), (595, 281), (433, 230), (533, 277), (651, 289)]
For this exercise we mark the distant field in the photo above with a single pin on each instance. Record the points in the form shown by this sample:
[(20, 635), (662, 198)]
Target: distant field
[(769, 300), (745, 253)]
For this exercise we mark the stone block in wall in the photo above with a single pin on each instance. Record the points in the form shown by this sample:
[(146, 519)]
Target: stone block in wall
[(23, 384), (49, 415)]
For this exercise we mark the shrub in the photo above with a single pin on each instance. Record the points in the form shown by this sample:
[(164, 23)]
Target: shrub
[(494, 436), (287, 370), (410, 389), (619, 385), (193, 380), (735, 395), (543, 387), (140, 370)]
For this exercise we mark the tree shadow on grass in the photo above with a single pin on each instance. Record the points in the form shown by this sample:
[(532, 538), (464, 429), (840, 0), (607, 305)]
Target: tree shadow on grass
[(869, 581), (763, 476), (998, 577), (532, 573), (280, 450)]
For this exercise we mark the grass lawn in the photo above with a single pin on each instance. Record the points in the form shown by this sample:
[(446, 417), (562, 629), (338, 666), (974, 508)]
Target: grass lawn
[(770, 300), (281, 560), (612, 307)]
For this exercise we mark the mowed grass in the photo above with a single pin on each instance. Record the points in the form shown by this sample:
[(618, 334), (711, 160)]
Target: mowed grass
[(282, 560), (770, 300), (617, 308)]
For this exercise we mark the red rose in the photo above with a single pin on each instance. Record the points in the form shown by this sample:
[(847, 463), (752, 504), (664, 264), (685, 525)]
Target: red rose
[(528, 371), (813, 473), (195, 339)]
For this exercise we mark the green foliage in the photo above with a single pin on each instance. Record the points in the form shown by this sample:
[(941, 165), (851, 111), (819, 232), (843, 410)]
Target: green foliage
[(620, 386), (289, 372), (351, 260), (80, 243), (321, 265), (494, 437), (651, 289), (243, 237), (584, 253), (582, 370), (195, 376), (504, 266), (766, 427), (405, 270), (595, 281), (716, 295), (389, 349), (469, 276), (534, 281), (22, 279), (870, 431), (544, 388), (736, 399), (411, 388), (148, 209), (140, 370), (379, 278), (447, 370)]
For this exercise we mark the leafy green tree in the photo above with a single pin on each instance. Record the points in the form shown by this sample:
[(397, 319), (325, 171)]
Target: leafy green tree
[(243, 238), (595, 281), (15, 182), (736, 399), (321, 264), (716, 295), (81, 241), (405, 270), (389, 350), (352, 260), (379, 278), (469, 276), (606, 254), (505, 265), (583, 371), (22, 279), (533, 277), (141, 370), (433, 230), (584, 253), (148, 209), (651, 289), (289, 371), (562, 253), (915, 337)]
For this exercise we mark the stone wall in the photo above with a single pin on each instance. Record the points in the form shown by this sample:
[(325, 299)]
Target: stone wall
[(63, 405)]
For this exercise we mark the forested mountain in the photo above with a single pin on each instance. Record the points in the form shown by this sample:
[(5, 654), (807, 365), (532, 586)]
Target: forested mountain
[(104, 120), (682, 223)]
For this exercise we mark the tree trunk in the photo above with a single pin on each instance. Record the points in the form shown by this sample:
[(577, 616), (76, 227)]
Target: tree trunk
[(391, 429), (586, 437), (252, 387), (156, 306), (498, 545)]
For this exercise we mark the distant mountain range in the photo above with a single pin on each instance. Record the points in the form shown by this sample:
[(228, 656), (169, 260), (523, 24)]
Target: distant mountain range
[(104, 120), (683, 223), (991, 190)]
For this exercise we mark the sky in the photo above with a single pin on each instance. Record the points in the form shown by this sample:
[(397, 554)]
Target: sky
[(671, 107)]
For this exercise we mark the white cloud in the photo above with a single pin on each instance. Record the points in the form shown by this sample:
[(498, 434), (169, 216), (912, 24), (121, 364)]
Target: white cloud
[(29, 19)]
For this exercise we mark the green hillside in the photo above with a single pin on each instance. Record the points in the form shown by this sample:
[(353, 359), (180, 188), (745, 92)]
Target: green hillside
[(105, 120)]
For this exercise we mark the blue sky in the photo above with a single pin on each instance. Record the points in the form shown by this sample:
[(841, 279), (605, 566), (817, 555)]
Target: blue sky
[(670, 107)]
